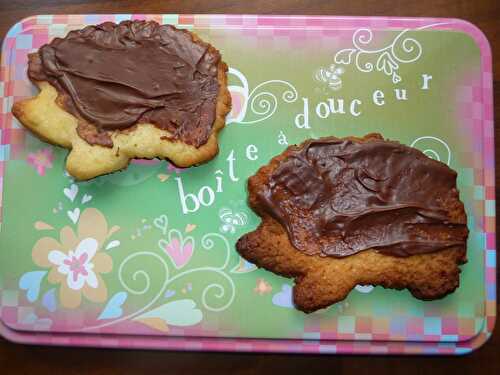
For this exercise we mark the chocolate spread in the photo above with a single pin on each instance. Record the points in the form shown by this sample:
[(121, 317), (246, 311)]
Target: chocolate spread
[(337, 197), (115, 76)]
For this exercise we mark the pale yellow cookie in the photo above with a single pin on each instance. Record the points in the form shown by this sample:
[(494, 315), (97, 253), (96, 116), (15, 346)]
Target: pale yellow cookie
[(48, 118)]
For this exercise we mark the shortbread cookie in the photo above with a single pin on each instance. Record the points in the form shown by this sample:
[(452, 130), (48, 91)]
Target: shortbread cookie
[(341, 212), (137, 89)]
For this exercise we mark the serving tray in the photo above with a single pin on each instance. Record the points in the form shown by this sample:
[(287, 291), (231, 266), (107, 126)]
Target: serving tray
[(165, 271)]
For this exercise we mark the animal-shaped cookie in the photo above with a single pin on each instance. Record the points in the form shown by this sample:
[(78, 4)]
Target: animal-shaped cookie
[(114, 92), (341, 212)]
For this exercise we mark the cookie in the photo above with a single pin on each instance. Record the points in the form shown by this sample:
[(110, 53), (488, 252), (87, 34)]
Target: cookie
[(114, 92), (341, 212)]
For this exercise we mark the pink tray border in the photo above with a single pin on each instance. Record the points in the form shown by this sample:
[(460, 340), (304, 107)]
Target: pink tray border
[(8, 145)]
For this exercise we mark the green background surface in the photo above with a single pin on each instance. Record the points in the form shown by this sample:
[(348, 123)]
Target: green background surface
[(127, 197)]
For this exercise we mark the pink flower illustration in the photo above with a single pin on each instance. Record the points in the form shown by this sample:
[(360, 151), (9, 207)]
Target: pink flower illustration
[(179, 249), (41, 159)]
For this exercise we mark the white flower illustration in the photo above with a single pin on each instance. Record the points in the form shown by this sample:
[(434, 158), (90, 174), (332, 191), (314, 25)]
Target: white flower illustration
[(76, 265)]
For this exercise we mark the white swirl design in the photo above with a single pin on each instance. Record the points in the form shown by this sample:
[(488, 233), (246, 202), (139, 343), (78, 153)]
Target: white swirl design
[(264, 103), (402, 50), (411, 47), (216, 296), (433, 147), (139, 274)]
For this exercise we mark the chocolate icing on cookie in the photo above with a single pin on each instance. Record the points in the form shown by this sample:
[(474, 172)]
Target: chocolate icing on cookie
[(338, 197), (134, 72)]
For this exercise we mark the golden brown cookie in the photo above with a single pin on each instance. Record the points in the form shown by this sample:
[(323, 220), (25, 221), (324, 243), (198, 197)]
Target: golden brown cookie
[(111, 93), (341, 212)]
